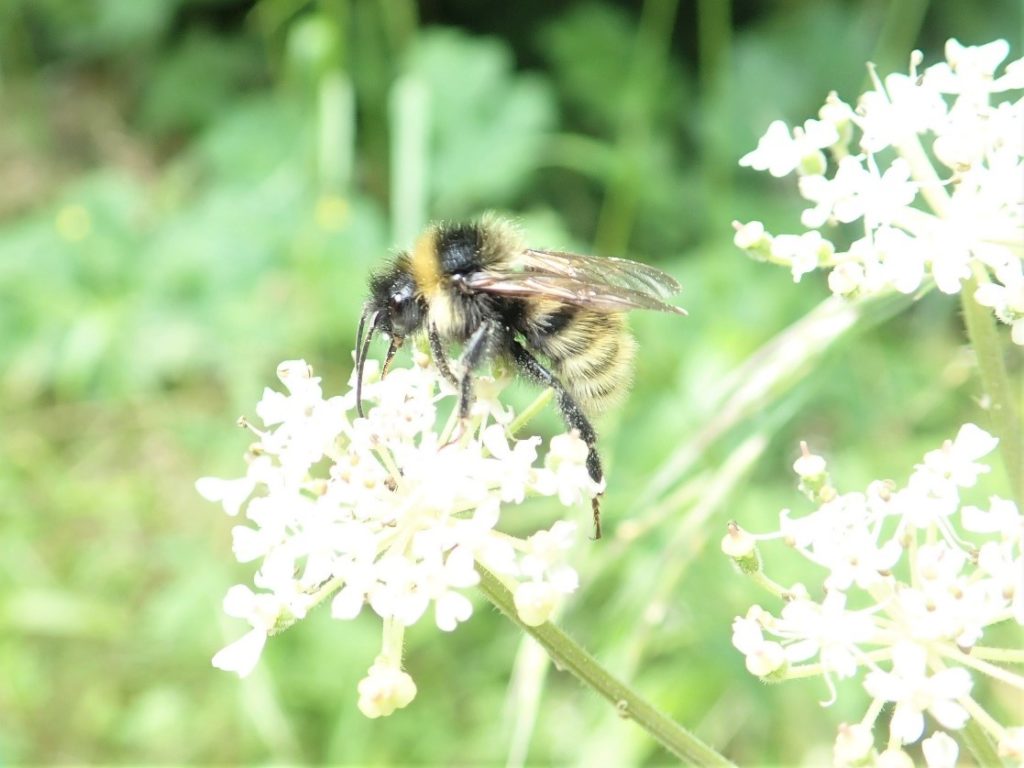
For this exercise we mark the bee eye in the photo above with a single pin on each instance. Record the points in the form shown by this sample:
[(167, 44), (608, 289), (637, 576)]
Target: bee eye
[(403, 310)]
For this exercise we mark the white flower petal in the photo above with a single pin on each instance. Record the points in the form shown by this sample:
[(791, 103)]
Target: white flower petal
[(940, 751), (231, 493), (949, 714), (242, 655), (907, 724), (451, 609), (348, 603)]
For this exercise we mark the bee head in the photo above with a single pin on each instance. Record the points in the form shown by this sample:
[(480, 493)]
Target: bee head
[(393, 299), (393, 310)]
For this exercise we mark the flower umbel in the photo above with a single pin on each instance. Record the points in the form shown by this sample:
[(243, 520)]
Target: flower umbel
[(390, 512), (930, 164), (912, 579)]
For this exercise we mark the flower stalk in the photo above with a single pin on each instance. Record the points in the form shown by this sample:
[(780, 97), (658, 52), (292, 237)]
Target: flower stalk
[(978, 742), (1003, 404), (569, 655)]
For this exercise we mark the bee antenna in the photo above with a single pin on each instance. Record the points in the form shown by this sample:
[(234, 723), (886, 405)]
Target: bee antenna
[(362, 348)]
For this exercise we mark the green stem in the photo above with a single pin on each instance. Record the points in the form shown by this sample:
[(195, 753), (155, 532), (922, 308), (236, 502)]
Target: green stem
[(873, 711), (690, 535), (1009, 655), (567, 654), (818, 670), (993, 671), (768, 375), (898, 34), (650, 60), (409, 113), (392, 642), (336, 126), (975, 738), (530, 411), (769, 585), (1005, 420), (714, 48)]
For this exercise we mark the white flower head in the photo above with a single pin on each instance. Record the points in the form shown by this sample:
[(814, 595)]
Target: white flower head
[(911, 580), (915, 691), (943, 220), (389, 512)]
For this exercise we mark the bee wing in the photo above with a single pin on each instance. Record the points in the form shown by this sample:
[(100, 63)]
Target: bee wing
[(589, 293), (621, 273)]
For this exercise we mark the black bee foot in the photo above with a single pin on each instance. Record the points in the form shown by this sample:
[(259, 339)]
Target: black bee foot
[(595, 504)]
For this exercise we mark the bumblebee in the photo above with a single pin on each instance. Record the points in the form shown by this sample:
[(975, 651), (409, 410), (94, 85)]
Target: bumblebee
[(558, 318)]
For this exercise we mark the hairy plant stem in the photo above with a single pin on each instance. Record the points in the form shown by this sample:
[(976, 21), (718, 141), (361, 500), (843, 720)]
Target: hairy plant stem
[(976, 739), (569, 655), (992, 670), (530, 411), (1005, 421)]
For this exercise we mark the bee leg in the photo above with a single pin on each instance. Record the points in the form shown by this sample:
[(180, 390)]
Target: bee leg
[(572, 414), (472, 354), (440, 358)]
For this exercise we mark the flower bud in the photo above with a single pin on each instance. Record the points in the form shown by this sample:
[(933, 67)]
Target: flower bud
[(846, 279), (753, 239), (894, 758), (742, 548), (768, 661), (814, 481), (840, 114), (1012, 744), (385, 689), (535, 602), (853, 744)]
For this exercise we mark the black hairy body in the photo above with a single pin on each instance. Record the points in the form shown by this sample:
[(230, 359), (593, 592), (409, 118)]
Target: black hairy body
[(557, 318)]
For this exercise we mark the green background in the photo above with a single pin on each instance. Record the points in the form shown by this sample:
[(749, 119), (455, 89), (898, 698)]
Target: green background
[(193, 190)]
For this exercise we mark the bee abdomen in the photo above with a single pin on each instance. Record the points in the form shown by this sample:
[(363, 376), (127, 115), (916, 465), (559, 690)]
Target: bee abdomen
[(590, 352)]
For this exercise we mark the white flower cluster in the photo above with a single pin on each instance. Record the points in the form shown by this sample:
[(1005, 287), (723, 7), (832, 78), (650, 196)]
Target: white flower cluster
[(385, 511), (952, 215), (913, 578)]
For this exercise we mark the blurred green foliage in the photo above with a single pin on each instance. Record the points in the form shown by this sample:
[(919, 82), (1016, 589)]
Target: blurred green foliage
[(194, 190)]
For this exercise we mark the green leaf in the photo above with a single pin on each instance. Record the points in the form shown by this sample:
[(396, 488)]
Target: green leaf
[(193, 83), (486, 132)]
